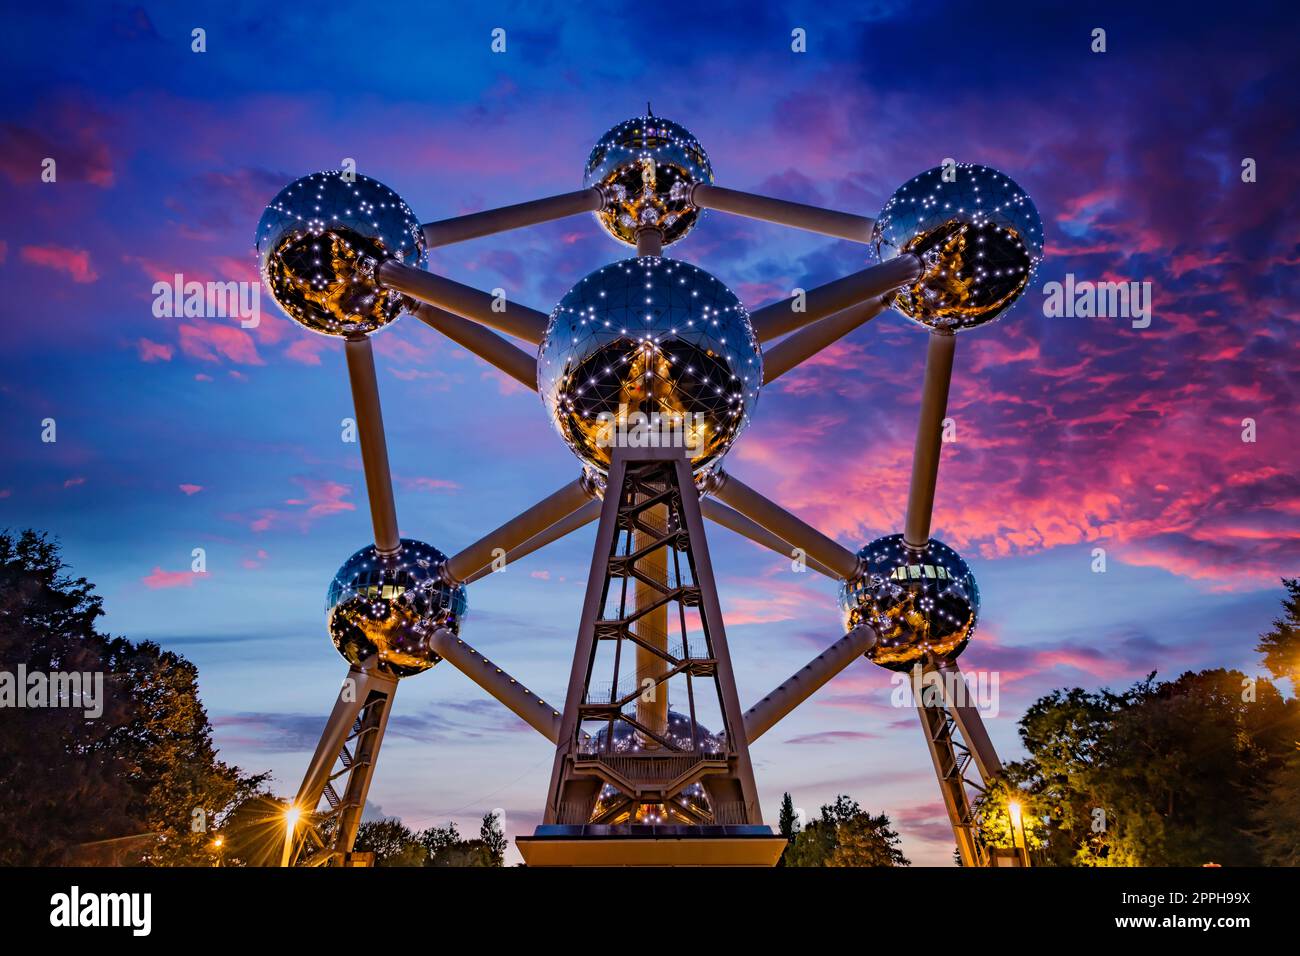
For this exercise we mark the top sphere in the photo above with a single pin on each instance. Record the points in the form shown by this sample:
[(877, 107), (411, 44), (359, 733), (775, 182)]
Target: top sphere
[(649, 351), (923, 604), (321, 240), (646, 167), (979, 235)]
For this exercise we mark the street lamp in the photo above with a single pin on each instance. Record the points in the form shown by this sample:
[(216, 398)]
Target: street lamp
[(1017, 824), (291, 815), (217, 844)]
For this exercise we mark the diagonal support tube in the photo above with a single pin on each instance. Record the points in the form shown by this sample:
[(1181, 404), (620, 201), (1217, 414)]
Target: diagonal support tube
[(490, 221), (580, 518), (484, 343), (780, 318), (832, 554), (519, 529), (760, 718), (733, 520), (969, 722), (811, 339), (466, 301), (530, 708), (337, 728), (929, 438), (828, 222), (374, 448)]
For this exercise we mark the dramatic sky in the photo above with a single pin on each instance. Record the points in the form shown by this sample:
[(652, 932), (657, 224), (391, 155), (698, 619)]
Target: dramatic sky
[(1072, 433)]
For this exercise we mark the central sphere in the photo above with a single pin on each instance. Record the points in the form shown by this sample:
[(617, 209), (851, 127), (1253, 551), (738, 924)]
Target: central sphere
[(979, 235), (321, 240), (382, 609), (649, 348), (646, 167), (923, 604)]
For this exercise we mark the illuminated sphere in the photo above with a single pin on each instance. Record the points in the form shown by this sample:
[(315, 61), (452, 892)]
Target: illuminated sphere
[(382, 610), (980, 238), (321, 240), (649, 337), (646, 167), (923, 605)]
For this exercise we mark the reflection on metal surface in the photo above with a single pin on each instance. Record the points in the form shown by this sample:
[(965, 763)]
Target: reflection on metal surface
[(923, 605), (646, 167), (691, 803), (649, 350), (319, 243), (979, 235), (382, 610)]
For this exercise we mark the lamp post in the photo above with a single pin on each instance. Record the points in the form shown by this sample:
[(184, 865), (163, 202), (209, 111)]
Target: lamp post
[(217, 844), (290, 824), (1017, 824)]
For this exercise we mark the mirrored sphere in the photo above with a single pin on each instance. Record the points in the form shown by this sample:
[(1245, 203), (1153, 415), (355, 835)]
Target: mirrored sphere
[(980, 238), (382, 610), (321, 240), (646, 167), (922, 604), (649, 350)]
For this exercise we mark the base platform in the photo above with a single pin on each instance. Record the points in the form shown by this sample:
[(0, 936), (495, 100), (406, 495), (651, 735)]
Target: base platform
[(651, 845)]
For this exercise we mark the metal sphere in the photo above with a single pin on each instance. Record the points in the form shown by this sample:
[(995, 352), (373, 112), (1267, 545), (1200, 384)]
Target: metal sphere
[(649, 349), (646, 167), (382, 609), (319, 243), (923, 605), (979, 235)]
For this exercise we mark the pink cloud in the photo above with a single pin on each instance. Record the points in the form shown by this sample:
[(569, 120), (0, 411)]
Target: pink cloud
[(74, 482), (191, 489), (75, 262), (151, 351), (171, 579), (212, 341)]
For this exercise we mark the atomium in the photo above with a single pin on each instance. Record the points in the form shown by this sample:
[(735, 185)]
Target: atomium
[(648, 353), (319, 243), (646, 167), (649, 337), (922, 603), (979, 235), (382, 609)]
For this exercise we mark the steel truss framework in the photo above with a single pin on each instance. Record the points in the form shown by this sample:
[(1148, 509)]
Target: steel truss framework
[(655, 506)]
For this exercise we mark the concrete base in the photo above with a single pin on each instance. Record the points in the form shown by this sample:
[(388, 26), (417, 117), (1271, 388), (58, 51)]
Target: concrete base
[(646, 845)]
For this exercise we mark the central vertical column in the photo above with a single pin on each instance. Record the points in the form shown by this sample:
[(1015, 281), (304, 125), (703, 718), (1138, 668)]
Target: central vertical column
[(652, 705)]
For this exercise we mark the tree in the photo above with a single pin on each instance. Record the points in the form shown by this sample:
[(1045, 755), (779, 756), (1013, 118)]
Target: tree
[(392, 843), (493, 838), (1281, 645), (437, 839), (788, 822), (145, 765), (867, 840), (845, 835), (1165, 774), (1277, 815)]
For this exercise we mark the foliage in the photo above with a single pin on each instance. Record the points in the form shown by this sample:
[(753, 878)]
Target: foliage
[(845, 835), (787, 821), (493, 838), (1281, 645), (146, 765)]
